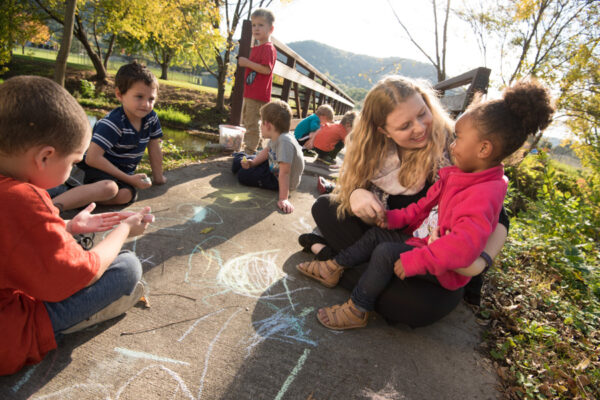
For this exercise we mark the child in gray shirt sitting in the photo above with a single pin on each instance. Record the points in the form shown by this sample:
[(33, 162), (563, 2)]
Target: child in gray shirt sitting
[(278, 166)]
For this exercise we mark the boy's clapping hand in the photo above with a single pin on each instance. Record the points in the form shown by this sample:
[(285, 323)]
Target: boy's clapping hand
[(85, 222), (137, 221)]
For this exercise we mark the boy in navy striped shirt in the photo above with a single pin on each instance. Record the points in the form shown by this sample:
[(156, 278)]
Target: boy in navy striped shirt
[(120, 138)]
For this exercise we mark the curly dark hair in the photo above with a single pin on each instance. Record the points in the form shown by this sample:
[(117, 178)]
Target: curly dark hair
[(525, 108)]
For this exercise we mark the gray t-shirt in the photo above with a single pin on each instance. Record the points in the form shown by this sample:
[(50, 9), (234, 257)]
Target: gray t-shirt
[(286, 149)]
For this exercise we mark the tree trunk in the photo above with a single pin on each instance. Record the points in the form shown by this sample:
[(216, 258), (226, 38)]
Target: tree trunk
[(164, 67), (65, 46), (96, 60), (111, 46)]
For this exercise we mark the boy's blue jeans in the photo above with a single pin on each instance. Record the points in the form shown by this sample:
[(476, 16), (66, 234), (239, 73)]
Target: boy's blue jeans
[(258, 176), (381, 248), (118, 280)]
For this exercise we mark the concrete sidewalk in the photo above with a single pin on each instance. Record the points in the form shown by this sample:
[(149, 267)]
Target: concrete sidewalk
[(231, 318)]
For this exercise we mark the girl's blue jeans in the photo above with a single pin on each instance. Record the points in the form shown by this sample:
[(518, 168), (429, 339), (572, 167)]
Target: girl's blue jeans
[(118, 280), (381, 248)]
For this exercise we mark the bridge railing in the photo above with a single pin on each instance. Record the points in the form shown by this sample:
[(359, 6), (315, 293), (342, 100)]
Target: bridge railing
[(295, 81), (478, 80)]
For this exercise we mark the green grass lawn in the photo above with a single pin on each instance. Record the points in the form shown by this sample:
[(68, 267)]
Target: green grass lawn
[(82, 61)]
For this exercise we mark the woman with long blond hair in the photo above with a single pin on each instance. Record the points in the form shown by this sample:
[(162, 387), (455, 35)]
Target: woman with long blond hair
[(393, 155)]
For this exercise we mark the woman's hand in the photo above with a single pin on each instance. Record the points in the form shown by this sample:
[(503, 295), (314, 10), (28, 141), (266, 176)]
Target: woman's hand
[(366, 206), (85, 222)]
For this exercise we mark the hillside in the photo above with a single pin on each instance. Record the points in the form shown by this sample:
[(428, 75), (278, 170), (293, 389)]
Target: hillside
[(356, 70)]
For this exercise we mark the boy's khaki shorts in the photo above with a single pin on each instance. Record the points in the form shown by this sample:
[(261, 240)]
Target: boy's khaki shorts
[(250, 118)]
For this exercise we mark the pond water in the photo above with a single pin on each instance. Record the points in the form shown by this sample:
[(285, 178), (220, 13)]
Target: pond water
[(180, 138)]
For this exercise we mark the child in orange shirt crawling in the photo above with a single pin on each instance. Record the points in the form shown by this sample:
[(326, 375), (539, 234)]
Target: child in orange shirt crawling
[(49, 285), (330, 139)]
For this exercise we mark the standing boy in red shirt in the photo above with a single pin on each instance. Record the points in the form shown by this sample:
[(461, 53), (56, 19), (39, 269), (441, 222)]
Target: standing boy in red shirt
[(258, 78), (49, 285)]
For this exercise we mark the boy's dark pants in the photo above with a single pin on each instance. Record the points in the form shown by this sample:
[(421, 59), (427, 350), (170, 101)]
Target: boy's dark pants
[(333, 153), (258, 176), (381, 248)]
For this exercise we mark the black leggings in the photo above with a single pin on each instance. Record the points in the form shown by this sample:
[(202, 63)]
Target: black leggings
[(415, 301)]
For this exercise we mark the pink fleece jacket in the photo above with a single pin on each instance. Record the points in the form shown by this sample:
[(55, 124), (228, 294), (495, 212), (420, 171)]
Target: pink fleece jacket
[(469, 208)]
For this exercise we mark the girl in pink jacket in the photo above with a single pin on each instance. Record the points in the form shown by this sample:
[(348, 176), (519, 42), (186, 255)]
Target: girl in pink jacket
[(469, 196)]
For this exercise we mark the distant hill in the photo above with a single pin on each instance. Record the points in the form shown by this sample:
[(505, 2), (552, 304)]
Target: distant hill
[(351, 70)]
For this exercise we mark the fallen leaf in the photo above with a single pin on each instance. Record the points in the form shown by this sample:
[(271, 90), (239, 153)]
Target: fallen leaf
[(206, 230), (583, 365)]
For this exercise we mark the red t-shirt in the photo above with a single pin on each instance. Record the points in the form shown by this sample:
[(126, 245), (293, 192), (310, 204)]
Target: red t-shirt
[(329, 135), (39, 261), (258, 86)]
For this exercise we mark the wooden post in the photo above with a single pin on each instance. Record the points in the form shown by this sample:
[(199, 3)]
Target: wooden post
[(237, 95), (297, 99), (285, 89)]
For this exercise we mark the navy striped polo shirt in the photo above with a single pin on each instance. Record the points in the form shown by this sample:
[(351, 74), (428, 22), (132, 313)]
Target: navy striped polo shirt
[(122, 144)]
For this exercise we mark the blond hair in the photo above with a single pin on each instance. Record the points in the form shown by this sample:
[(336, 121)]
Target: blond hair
[(325, 110), (264, 13), (278, 113), (367, 144)]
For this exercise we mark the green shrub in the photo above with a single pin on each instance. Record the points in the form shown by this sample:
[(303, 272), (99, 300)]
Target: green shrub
[(87, 90), (546, 294), (172, 115)]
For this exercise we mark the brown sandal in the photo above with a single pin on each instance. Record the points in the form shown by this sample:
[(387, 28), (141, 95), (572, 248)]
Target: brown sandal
[(341, 317), (314, 269)]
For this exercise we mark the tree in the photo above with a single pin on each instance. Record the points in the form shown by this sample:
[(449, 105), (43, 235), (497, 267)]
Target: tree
[(182, 31), (31, 31), (554, 40), (13, 19), (99, 20), (65, 46), (440, 53)]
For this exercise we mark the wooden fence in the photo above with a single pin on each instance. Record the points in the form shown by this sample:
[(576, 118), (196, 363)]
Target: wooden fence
[(295, 81)]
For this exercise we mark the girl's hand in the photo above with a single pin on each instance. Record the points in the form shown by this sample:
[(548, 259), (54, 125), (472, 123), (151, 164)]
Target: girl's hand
[(85, 222), (399, 269), (366, 206)]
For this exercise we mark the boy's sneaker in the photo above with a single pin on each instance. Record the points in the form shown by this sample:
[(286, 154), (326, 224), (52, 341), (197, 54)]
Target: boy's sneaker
[(112, 310), (324, 186), (331, 162), (309, 153)]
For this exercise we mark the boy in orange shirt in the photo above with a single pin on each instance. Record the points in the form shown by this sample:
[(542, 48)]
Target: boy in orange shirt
[(49, 285), (330, 139)]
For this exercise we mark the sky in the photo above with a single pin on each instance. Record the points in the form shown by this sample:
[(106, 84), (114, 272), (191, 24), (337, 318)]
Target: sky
[(369, 27)]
